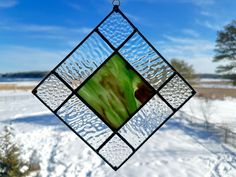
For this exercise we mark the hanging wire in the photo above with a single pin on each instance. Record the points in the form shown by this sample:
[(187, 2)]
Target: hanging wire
[(116, 2)]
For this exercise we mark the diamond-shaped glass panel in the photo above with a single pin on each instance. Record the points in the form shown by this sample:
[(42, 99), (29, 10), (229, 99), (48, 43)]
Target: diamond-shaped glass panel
[(84, 122), (116, 29), (176, 92), (116, 151), (146, 61), (143, 123), (84, 60), (116, 91), (53, 92)]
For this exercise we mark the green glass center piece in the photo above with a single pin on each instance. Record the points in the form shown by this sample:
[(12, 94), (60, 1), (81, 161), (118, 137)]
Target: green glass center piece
[(116, 92)]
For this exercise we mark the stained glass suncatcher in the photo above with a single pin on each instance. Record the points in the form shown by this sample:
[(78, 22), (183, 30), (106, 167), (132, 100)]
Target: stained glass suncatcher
[(114, 90)]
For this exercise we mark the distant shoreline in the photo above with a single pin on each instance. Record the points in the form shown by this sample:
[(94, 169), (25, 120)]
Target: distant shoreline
[(24, 75), (10, 79), (39, 75)]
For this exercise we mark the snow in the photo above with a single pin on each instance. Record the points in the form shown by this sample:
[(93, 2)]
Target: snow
[(178, 149), (214, 80), (218, 111), (15, 104), (21, 83)]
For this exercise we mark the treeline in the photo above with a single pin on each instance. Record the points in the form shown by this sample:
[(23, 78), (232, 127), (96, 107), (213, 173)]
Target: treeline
[(41, 74), (33, 74)]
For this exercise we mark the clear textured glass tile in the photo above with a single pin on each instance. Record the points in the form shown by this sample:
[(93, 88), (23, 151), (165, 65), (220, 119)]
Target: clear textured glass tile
[(116, 151), (116, 29), (146, 61), (53, 92), (142, 125), (81, 119), (84, 61), (176, 91)]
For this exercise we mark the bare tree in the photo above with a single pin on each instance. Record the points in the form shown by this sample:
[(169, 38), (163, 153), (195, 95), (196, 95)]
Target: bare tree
[(206, 110)]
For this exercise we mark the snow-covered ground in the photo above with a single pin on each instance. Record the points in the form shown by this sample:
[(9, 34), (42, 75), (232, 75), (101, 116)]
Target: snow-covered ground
[(214, 80), (217, 111), (178, 149), (21, 83)]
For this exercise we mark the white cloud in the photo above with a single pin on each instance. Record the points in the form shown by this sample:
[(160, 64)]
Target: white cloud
[(7, 3), (24, 58), (82, 30), (48, 32), (74, 6), (44, 28), (208, 24), (196, 51), (207, 14), (134, 17), (194, 2), (200, 2), (191, 32)]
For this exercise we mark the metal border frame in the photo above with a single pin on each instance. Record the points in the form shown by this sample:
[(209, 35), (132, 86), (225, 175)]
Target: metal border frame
[(115, 51)]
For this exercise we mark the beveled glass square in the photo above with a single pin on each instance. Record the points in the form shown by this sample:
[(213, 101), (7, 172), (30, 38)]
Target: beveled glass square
[(115, 91)]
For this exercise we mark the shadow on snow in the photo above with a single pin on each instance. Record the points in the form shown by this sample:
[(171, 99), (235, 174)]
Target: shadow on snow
[(45, 120)]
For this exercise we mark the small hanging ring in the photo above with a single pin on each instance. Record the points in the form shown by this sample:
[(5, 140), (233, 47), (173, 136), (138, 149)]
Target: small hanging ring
[(116, 2)]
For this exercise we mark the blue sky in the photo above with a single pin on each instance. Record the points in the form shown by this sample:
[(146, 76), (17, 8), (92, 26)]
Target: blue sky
[(36, 35)]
